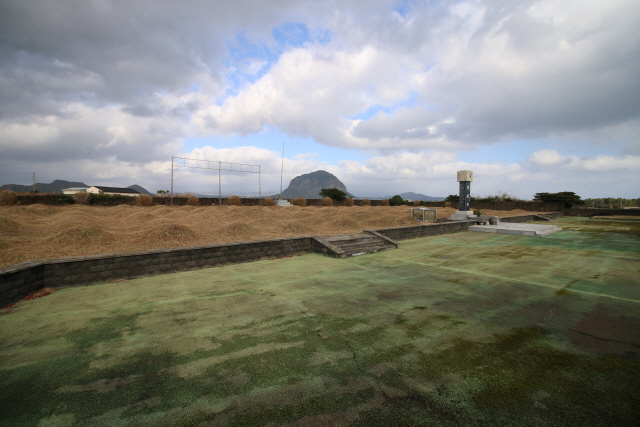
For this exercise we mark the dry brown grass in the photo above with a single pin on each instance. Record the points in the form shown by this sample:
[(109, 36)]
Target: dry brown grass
[(7, 197), (38, 231), (366, 202), (384, 202), (268, 201), (83, 197), (192, 199), (299, 201), (416, 203), (348, 202), (326, 201), (234, 201), (144, 200)]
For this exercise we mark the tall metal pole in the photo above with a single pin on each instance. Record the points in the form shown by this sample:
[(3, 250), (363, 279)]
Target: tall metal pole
[(281, 171), (171, 181), (34, 182), (219, 185), (259, 187)]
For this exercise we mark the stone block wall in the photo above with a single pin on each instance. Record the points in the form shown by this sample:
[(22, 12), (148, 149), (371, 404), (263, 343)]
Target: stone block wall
[(589, 212), (426, 230)]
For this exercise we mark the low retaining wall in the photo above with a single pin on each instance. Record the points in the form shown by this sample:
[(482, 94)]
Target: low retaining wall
[(426, 230), (18, 281), (589, 212)]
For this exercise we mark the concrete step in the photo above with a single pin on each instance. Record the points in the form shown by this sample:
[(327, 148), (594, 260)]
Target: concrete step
[(367, 250), (543, 217), (360, 244)]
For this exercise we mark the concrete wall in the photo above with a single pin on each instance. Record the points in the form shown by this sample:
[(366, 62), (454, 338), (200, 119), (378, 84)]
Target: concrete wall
[(588, 212)]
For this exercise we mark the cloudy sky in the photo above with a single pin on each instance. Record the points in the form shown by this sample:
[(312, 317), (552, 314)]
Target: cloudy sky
[(390, 96)]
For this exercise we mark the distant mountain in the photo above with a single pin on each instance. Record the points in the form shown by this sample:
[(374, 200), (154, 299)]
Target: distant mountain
[(57, 186), (141, 189), (54, 187), (309, 185), (416, 196)]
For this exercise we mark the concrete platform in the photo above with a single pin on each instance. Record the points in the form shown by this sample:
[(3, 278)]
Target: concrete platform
[(531, 230)]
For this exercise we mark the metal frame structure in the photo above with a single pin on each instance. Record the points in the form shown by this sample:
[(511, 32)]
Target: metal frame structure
[(196, 164)]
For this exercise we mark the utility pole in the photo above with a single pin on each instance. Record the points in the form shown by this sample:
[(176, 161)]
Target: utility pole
[(281, 171), (171, 181), (34, 182)]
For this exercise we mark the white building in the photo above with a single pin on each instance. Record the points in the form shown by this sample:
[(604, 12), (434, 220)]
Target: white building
[(74, 190), (98, 189)]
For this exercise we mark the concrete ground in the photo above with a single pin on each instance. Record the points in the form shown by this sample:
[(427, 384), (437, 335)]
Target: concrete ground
[(463, 329)]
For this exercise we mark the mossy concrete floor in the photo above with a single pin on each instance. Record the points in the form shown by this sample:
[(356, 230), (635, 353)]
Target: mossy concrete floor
[(465, 329)]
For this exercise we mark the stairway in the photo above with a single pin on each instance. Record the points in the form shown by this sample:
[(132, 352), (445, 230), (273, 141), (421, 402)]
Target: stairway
[(360, 244)]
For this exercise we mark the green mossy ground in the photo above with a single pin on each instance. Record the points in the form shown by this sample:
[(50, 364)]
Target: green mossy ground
[(465, 329)]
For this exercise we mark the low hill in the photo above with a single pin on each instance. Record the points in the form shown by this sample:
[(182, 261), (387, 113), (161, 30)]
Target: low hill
[(53, 187), (141, 189), (417, 196), (58, 185)]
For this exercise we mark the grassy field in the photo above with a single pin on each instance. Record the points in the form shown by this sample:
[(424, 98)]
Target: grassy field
[(468, 329), (37, 232)]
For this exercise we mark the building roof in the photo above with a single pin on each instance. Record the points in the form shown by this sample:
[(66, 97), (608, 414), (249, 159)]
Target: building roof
[(75, 188), (116, 189)]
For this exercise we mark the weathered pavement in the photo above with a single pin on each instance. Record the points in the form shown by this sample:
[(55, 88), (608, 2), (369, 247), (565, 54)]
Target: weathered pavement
[(465, 329)]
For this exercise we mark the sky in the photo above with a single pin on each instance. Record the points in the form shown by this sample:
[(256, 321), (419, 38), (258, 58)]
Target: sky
[(389, 96)]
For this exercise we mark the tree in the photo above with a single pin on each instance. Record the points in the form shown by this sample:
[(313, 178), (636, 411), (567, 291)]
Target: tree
[(161, 192), (569, 198), (453, 198), (333, 193), (396, 201)]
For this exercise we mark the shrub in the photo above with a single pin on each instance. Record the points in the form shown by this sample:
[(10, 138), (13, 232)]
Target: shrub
[(192, 199), (7, 197), (144, 200), (326, 201), (396, 201), (333, 193), (62, 199), (416, 203), (268, 201), (366, 202), (82, 197), (234, 201), (348, 202), (299, 201), (384, 202)]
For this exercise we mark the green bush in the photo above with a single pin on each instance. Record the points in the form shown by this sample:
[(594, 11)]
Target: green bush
[(396, 201), (334, 193), (62, 199), (569, 198)]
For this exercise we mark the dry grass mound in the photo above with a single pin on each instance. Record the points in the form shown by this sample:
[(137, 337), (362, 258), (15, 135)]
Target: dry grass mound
[(38, 232), (268, 201), (384, 202), (348, 202), (366, 202), (8, 197), (234, 201), (416, 203), (299, 201), (326, 201), (173, 232)]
